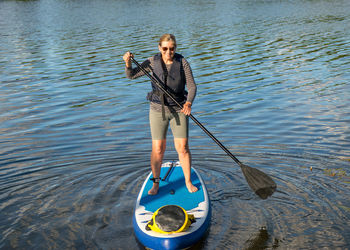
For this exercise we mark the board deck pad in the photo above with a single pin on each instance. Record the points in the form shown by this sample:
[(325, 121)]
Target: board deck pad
[(172, 191)]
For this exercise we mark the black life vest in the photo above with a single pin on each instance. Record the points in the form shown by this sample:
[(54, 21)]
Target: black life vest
[(173, 81)]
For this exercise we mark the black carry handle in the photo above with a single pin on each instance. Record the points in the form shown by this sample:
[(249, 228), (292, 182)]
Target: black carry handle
[(168, 172)]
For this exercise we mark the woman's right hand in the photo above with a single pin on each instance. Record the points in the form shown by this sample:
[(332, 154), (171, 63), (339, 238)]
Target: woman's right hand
[(127, 58)]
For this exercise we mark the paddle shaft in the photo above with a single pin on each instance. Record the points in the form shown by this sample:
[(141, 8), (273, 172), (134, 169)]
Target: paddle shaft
[(159, 85)]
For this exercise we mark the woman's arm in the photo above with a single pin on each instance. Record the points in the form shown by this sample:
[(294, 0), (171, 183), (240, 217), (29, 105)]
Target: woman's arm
[(191, 87), (190, 83), (136, 72)]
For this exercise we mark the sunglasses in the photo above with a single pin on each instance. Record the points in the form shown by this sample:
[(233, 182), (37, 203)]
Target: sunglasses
[(166, 49)]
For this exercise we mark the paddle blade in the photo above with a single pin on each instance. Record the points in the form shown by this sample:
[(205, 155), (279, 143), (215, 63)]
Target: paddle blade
[(261, 183)]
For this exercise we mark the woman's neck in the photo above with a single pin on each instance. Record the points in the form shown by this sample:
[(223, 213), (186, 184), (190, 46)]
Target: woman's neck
[(168, 60)]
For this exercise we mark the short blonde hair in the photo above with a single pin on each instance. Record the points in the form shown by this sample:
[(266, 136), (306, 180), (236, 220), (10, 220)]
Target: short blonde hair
[(167, 38)]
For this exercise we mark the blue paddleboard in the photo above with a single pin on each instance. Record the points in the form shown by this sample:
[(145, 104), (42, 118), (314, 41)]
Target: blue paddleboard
[(172, 191)]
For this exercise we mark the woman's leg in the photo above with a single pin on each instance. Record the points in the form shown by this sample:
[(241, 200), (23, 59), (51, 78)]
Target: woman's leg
[(159, 127), (179, 127), (158, 149), (181, 145)]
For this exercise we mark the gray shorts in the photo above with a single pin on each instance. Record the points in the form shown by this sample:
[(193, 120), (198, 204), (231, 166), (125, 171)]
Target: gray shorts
[(159, 127)]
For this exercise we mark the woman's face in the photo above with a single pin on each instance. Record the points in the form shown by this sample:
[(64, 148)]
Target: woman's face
[(167, 48)]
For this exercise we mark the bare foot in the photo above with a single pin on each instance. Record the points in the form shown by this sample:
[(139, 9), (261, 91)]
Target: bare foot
[(154, 189), (191, 188)]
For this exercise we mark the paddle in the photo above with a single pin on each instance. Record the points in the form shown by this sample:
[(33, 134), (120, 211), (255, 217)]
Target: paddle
[(259, 182)]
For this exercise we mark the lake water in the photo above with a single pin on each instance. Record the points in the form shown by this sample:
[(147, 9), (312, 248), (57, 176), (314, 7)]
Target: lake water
[(273, 83)]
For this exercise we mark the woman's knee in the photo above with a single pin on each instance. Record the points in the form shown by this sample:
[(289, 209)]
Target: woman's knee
[(158, 151), (158, 147), (181, 146)]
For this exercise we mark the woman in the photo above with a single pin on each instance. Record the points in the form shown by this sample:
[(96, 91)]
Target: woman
[(175, 73)]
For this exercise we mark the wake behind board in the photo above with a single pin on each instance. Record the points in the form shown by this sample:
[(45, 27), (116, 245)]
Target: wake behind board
[(172, 191)]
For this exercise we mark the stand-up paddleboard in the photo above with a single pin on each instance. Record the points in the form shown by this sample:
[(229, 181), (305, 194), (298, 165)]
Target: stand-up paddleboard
[(172, 191)]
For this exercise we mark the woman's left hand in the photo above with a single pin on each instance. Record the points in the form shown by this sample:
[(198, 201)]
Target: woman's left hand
[(186, 109)]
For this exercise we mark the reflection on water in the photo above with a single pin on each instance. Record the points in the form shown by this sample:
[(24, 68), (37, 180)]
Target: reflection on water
[(273, 87), (259, 240)]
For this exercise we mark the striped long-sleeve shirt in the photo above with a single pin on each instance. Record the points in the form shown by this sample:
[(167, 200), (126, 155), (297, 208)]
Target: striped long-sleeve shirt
[(148, 66)]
